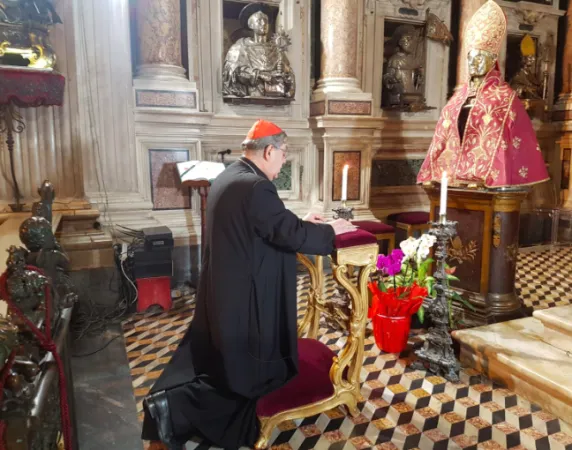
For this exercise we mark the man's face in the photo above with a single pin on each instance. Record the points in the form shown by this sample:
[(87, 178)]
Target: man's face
[(275, 159), (480, 62), (259, 24)]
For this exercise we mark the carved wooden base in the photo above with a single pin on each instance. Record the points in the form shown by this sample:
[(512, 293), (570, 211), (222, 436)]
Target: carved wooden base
[(484, 252)]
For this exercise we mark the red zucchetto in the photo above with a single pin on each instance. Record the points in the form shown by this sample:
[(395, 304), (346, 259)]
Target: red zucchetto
[(262, 129)]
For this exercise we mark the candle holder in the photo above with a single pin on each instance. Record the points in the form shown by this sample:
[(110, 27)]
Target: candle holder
[(343, 212), (437, 355)]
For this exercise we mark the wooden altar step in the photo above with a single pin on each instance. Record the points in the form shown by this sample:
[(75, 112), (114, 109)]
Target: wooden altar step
[(530, 356)]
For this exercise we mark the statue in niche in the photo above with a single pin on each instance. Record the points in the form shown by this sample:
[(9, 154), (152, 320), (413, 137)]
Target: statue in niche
[(404, 77), (256, 68), (526, 82)]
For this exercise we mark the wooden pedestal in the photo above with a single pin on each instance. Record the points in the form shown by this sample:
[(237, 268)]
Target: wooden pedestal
[(202, 187), (485, 251)]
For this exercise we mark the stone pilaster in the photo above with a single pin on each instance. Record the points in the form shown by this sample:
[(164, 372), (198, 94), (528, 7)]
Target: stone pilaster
[(468, 8), (161, 80)]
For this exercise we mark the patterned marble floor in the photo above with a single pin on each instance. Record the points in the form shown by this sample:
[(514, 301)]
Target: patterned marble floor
[(400, 408)]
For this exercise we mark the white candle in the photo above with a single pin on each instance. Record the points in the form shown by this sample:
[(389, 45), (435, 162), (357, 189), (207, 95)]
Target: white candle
[(345, 183), (443, 205)]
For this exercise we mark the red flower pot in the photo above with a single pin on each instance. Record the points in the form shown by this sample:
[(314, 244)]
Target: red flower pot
[(391, 333)]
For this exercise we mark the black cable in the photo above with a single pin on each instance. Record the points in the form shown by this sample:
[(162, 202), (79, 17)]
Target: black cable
[(91, 318), (98, 350)]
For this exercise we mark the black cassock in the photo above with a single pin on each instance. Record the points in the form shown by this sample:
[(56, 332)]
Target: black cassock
[(242, 342)]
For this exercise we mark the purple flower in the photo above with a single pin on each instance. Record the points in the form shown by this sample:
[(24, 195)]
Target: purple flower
[(390, 265)]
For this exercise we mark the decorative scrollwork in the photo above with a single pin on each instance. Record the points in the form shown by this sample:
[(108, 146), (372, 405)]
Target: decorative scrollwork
[(11, 119)]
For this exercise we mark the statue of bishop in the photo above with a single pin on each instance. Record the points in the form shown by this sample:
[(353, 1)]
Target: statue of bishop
[(484, 136)]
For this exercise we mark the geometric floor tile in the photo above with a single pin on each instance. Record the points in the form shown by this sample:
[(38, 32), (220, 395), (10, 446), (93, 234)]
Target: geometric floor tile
[(401, 408)]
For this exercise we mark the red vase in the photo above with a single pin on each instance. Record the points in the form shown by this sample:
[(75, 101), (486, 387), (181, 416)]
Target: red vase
[(391, 333)]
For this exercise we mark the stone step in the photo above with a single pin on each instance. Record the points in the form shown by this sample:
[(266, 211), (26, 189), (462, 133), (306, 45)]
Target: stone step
[(515, 355), (557, 324)]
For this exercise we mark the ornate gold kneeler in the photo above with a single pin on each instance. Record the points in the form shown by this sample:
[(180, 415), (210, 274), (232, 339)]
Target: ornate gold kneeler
[(485, 251)]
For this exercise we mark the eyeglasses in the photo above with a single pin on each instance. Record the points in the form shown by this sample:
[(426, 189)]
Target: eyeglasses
[(284, 150)]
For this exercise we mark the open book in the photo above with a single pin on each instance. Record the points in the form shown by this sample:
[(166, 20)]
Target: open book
[(199, 170)]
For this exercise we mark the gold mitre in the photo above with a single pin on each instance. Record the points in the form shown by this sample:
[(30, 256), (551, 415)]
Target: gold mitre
[(487, 29), (527, 46)]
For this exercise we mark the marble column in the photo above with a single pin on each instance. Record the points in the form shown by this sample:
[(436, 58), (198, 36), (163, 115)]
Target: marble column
[(339, 39), (159, 32), (567, 57), (161, 80), (468, 8)]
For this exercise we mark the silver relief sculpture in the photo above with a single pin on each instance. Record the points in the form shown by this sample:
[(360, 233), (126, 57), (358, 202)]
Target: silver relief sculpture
[(256, 68), (404, 76), (526, 82)]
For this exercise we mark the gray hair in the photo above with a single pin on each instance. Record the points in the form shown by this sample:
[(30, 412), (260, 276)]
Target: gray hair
[(260, 144)]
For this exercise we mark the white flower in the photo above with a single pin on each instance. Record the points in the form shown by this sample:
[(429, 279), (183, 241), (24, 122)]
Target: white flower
[(426, 242), (409, 248)]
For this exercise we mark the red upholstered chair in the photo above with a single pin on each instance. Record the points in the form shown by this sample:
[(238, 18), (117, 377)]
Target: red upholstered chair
[(326, 380), (411, 221)]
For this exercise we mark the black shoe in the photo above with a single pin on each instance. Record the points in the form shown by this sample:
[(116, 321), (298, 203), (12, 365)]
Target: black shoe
[(158, 407)]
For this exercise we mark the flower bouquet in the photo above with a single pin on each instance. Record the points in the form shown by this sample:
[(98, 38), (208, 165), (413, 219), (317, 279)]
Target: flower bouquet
[(403, 285)]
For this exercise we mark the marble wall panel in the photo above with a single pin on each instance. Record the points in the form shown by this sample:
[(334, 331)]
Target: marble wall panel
[(166, 189)]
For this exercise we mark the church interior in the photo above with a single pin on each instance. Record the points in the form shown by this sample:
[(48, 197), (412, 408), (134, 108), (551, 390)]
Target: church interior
[(441, 128)]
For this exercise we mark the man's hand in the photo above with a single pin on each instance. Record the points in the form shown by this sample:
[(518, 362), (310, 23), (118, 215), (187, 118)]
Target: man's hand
[(342, 226), (314, 218)]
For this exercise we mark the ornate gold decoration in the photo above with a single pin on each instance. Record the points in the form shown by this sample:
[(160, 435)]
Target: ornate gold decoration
[(310, 322), (497, 226), (511, 253), (516, 142), (24, 31), (523, 172), (461, 253), (487, 28), (346, 367)]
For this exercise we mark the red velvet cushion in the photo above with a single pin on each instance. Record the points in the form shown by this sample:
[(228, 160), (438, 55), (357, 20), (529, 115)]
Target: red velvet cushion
[(312, 383), (410, 218), (358, 237), (374, 227)]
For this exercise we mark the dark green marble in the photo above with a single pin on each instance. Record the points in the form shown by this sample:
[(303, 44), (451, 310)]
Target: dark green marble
[(284, 180), (395, 172)]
